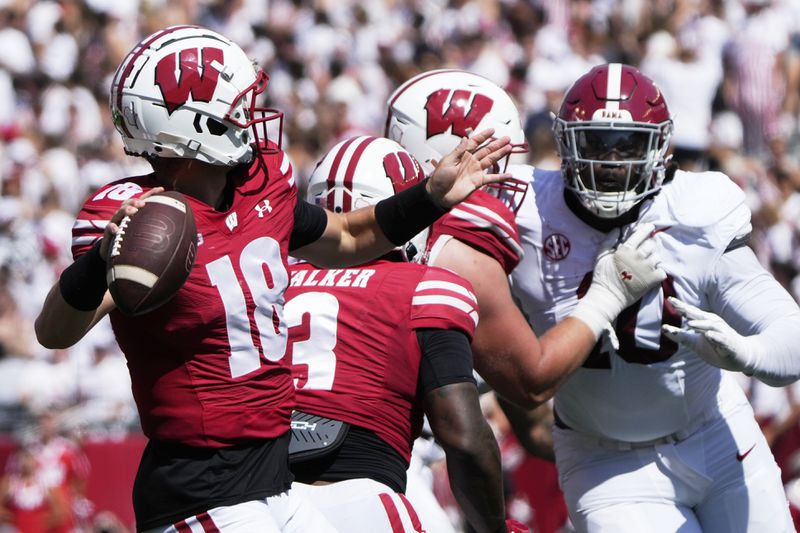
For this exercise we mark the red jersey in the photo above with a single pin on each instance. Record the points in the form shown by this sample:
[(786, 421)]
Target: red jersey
[(353, 333), (208, 367), (483, 222), (30, 505)]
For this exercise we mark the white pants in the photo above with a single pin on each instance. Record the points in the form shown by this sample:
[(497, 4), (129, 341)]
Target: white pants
[(699, 484), (419, 490), (362, 506), (287, 512)]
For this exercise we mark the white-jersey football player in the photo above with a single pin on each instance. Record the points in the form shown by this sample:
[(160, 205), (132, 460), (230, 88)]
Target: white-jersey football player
[(430, 113), (651, 435)]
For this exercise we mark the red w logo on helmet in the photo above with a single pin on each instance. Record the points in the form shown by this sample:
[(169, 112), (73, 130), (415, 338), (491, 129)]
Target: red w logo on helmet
[(177, 84), (402, 170), (463, 113)]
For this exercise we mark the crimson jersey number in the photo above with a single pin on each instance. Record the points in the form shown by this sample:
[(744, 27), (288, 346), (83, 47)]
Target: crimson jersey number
[(625, 327)]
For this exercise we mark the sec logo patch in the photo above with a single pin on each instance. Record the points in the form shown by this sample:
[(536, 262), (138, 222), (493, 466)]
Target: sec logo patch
[(556, 247)]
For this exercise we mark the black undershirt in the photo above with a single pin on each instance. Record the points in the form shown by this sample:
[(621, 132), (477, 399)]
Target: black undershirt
[(176, 481)]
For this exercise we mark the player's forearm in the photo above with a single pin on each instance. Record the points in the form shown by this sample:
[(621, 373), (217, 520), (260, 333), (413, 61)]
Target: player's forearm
[(776, 352), (473, 458), (349, 239), (59, 325), (523, 369), (476, 479), (565, 347), (364, 234)]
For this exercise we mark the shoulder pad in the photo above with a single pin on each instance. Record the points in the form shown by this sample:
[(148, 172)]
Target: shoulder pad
[(485, 223), (710, 205)]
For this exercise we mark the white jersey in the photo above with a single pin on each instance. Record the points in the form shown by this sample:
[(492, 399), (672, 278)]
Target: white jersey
[(649, 387)]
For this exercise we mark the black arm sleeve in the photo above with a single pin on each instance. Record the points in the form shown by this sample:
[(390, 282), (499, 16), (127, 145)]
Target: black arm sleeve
[(309, 224), (408, 212), (446, 359)]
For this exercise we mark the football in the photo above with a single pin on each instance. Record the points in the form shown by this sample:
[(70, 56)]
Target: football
[(152, 254)]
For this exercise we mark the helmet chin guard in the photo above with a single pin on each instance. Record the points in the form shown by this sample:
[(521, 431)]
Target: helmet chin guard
[(613, 131), (189, 92)]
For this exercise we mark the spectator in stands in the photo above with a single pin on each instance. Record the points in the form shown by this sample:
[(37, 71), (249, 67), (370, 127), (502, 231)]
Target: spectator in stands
[(28, 502)]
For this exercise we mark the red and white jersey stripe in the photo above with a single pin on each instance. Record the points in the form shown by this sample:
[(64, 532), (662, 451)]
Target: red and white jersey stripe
[(353, 340), (483, 222)]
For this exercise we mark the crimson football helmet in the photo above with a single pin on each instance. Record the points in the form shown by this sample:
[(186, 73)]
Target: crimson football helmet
[(613, 131), (430, 113), (361, 171), (188, 92)]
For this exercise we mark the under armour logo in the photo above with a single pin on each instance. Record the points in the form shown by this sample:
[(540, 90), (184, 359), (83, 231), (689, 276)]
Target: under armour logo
[(263, 206), (232, 221), (625, 275)]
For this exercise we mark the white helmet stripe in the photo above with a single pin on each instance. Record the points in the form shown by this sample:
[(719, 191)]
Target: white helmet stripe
[(331, 179), (613, 86)]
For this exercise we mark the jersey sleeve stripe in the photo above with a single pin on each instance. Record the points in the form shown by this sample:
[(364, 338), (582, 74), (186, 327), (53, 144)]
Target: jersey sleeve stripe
[(486, 213), (86, 239), (481, 222), (286, 168), (446, 286), (438, 299), (90, 224)]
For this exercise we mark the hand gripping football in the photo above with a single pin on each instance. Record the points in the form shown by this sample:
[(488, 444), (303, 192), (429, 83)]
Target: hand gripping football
[(152, 254)]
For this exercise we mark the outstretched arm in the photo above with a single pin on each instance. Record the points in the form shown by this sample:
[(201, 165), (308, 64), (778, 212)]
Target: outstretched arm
[(753, 325), (366, 233), (527, 370)]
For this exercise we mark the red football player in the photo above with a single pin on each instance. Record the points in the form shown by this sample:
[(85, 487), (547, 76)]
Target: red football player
[(209, 373), (375, 346)]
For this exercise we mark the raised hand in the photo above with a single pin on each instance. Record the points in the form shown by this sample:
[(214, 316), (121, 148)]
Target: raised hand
[(632, 268), (462, 171), (127, 208), (622, 275)]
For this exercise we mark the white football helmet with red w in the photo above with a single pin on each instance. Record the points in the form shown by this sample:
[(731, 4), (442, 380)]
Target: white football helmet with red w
[(188, 92), (362, 171), (430, 113)]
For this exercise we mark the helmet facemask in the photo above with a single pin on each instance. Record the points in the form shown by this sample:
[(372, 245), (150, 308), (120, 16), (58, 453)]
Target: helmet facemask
[(612, 166), (613, 130)]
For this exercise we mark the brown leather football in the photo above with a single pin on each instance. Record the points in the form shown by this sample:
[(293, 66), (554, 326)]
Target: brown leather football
[(152, 254)]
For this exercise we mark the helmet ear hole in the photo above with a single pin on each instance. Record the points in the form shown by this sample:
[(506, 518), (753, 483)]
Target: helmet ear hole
[(215, 127)]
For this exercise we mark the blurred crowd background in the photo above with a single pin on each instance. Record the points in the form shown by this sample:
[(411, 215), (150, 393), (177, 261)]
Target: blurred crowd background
[(730, 70)]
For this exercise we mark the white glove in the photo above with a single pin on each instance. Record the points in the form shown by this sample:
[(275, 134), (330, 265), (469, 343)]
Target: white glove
[(621, 277), (710, 337)]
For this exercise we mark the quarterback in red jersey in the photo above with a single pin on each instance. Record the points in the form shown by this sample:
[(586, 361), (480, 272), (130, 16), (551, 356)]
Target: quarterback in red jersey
[(209, 372), (374, 347)]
